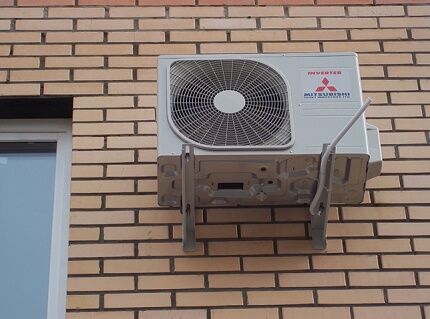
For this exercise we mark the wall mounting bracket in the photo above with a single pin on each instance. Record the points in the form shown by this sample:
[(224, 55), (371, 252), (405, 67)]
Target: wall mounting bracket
[(188, 209)]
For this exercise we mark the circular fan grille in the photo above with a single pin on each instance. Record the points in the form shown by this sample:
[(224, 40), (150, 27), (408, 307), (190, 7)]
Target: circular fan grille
[(202, 111)]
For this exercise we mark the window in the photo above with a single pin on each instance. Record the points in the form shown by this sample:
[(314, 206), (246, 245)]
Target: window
[(35, 157)]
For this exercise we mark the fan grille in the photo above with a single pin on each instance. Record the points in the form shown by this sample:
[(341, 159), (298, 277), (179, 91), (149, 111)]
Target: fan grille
[(263, 120)]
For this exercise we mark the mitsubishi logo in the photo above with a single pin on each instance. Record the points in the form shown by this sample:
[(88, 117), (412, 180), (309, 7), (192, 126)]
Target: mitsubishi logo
[(325, 81)]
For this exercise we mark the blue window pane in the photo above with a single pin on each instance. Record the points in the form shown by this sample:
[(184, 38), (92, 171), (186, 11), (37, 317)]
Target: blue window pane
[(26, 210)]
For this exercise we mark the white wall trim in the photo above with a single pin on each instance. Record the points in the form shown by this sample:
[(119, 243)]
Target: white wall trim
[(51, 131)]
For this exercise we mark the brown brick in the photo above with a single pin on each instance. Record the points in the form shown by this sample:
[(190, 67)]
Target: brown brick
[(198, 36), (82, 62), (314, 11), (105, 24), (290, 23), (102, 217), (133, 12), (137, 300), (403, 229), (241, 248), (166, 24), (417, 212), (32, 3), (327, 279), (375, 213), (421, 34), (369, 34), (117, 266), (76, 12), (103, 101), (228, 48), (315, 312), (418, 10), (44, 24), (19, 63), (173, 314), (164, 216), (383, 182), (19, 89), (85, 202), (304, 35), (147, 185), (100, 283), (97, 74), (259, 35), (209, 231), (131, 201), (378, 278), (86, 170), (390, 85), (136, 233), (103, 157), (21, 13), (409, 295), (207, 264), (348, 296), (304, 246), (5, 24), (417, 181), (235, 215), (424, 278), (83, 267), (5, 50), (275, 263), (405, 261), (102, 128), (357, 46), (402, 138), (132, 88), (355, 229), (422, 244), (404, 22), (196, 12), (231, 23), (414, 152), (166, 2), (131, 115), (385, 58), (89, 116), (245, 313), (84, 233), (348, 23), (170, 282), (406, 46), (147, 127), (82, 302), (377, 245), (273, 230), (39, 75), (345, 262), (20, 37), (298, 297), (74, 37), (416, 197), (42, 49), (156, 49), (131, 170), (168, 249), (408, 72), (107, 2), (101, 315), (195, 299), (104, 49), (242, 281), (269, 11), (100, 250), (136, 36), (372, 11), (132, 142), (3, 76), (387, 312)]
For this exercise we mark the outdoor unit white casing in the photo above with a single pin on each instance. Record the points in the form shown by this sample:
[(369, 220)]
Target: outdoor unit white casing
[(257, 124)]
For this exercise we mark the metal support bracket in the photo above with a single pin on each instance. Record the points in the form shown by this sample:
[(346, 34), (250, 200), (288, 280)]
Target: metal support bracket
[(319, 218), (188, 199)]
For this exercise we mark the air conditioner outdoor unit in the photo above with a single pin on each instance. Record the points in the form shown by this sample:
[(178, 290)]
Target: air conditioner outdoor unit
[(247, 130)]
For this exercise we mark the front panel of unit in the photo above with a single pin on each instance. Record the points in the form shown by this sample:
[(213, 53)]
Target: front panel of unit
[(260, 180), (323, 93)]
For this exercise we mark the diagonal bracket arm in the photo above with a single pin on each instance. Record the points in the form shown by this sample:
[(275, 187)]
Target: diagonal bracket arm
[(319, 212)]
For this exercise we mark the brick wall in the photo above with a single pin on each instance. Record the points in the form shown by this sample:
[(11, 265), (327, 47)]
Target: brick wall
[(125, 253)]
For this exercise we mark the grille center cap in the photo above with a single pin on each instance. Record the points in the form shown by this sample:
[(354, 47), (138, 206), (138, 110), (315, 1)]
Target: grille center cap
[(229, 101)]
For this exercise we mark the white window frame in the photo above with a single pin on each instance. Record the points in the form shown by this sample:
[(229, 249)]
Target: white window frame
[(58, 131)]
